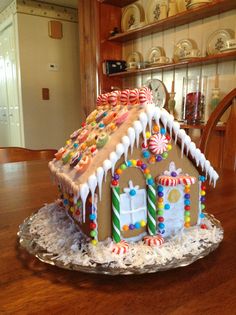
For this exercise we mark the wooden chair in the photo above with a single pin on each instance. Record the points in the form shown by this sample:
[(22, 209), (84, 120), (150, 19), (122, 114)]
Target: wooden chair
[(228, 148), (17, 154)]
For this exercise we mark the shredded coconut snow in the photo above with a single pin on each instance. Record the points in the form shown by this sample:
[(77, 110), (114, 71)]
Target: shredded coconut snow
[(54, 232)]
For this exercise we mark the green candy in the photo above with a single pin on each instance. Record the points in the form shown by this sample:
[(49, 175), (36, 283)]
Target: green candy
[(164, 155), (123, 167), (187, 213), (160, 212), (93, 233)]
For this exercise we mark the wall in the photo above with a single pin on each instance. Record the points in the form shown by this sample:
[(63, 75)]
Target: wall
[(48, 123), (199, 31)]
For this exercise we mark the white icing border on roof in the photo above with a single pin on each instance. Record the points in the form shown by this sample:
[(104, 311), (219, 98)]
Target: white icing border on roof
[(146, 117)]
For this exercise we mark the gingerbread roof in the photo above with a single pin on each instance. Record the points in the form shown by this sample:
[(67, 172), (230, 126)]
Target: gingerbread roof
[(110, 131)]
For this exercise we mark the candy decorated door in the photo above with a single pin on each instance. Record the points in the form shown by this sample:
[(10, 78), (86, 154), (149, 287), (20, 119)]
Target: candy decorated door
[(133, 212), (173, 210)]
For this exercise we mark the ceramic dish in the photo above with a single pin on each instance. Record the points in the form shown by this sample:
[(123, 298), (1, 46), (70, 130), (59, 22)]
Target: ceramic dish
[(217, 41), (181, 5), (153, 11), (154, 53), (132, 17), (133, 60), (183, 46)]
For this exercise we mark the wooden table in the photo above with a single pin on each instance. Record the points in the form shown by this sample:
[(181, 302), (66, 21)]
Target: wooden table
[(28, 286)]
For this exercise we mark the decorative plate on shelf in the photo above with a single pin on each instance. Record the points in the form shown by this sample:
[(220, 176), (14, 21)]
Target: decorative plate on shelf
[(154, 53), (183, 46), (181, 5), (225, 50), (217, 41), (133, 60), (192, 4), (153, 11), (132, 17)]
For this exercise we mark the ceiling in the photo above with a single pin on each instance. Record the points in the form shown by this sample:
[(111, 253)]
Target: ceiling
[(65, 3)]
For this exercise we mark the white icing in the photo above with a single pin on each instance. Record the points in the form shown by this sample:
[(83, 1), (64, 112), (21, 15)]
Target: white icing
[(84, 191), (138, 129), (187, 141), (144, 120), (170, 124), (157, 115), (192, 148), (182, 135), (197, 156), (207, 166), (106, 166), (92, 183), (113, 158), (202, 160), (150, 110), (176, 128), (100, 174), (164, 119), (120, 149), (215, 177), (126, 143), (131, 135)]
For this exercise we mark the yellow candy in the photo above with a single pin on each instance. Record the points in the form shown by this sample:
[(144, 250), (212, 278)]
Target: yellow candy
[(142, 223), (160, 205), (94, 242), (148, 134), (187, 219), (68, 142), (203, 193), (187, 186), (134, 162), (169, 147), (72, 209)]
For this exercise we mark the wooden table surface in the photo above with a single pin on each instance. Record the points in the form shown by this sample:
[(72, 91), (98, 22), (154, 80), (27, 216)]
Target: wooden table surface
[(28, 286)]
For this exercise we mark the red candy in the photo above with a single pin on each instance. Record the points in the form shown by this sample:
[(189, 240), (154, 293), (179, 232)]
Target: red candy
[(203, 226), (114, 182), (139, 163)]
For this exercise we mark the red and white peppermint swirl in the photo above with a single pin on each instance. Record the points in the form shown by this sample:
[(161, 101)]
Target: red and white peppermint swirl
[(166, 180), (186, 179), (112, 99), (145, 95), (120, 248), (105, 99), (158, 144), (156, 240), (99, 101), (124, 97), (134, 97)]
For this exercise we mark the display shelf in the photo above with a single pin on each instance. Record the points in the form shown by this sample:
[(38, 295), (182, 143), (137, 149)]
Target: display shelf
[(183, 64), (118, 3), (182, 18)]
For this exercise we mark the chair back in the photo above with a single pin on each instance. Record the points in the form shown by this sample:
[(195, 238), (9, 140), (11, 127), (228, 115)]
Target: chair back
[(17, 154), (228, 147)]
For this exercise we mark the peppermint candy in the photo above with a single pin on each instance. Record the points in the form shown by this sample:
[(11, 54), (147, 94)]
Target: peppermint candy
[(124, 97), (134, 97), (158, 144), (156, 240), (120, 248), (113, 99)]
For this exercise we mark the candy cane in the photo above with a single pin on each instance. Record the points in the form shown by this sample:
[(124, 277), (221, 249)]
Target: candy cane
[(151, 210), (116, 213), (156, 240), (120, 248)]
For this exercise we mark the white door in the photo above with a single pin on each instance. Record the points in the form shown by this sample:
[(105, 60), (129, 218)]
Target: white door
[(173, 209), (10, 123), (133, 210)]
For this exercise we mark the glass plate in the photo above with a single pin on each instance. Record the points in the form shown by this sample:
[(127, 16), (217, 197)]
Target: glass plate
[(29, 242)]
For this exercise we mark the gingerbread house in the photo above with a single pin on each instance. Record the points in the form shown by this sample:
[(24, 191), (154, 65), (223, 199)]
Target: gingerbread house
[(130, 172)]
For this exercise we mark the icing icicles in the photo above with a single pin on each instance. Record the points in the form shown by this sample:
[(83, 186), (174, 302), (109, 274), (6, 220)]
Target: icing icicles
[(84, 191), (157, 115), (164, 118), (207, 166), (170, 124), (143, 119), (126, 143), (197, 156), (113, 158), (120, 149), (150, 110), (192, 148), (176, 128), (131, 135), (106, 166), (182, 135), (100, 174), (138, 129), (92, 183)]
